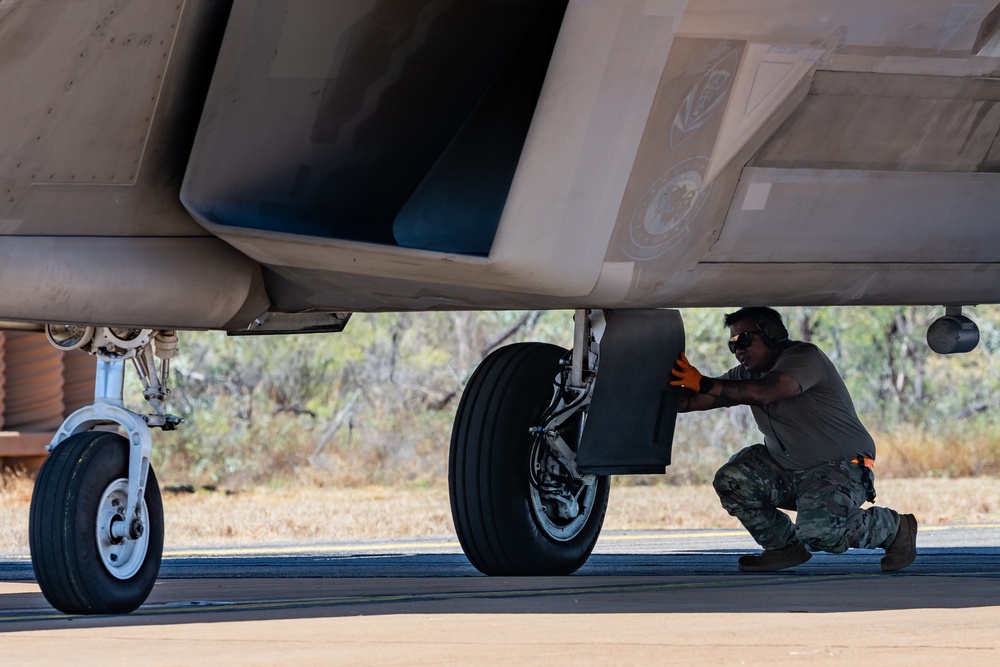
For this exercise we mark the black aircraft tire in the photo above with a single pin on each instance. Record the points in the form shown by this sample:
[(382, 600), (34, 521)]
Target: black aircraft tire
[(488, 472), (80, 479)]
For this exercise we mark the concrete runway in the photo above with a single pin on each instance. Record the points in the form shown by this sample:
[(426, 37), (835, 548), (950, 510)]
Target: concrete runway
[(665, 597)]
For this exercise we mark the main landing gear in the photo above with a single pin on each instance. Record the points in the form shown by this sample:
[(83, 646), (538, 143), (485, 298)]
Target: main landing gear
[(96, 518), (519, 503)]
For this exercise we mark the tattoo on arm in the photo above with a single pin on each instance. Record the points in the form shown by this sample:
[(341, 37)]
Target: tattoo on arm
[(697, 402), (733, 392), (755, 392)]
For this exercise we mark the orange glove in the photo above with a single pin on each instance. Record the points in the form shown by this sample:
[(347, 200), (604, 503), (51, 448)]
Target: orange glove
[(689, 377)]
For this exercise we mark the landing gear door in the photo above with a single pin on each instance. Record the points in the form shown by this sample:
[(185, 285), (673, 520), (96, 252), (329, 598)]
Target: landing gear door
[(630, 425)]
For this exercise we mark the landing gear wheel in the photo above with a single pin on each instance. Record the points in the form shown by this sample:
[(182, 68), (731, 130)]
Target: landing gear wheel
[(508, 523), (81, 563)]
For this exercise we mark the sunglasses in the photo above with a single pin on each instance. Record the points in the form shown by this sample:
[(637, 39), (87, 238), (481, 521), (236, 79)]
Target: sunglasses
[(742, 341)]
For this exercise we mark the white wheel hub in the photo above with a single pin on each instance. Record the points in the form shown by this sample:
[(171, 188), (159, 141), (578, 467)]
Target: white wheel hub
[(121, 555)]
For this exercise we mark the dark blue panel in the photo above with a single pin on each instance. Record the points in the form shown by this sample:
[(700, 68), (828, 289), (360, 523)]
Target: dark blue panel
[(458, 205), (412, 139)]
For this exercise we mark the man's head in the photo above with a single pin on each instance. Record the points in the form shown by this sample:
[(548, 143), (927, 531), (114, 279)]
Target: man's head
[(757, 336)]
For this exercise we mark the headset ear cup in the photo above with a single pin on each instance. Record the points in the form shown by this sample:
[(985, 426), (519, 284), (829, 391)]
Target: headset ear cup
[(774, 334)]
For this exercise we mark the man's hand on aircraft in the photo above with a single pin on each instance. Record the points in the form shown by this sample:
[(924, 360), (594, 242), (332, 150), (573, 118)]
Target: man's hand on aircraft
[(689, 377)]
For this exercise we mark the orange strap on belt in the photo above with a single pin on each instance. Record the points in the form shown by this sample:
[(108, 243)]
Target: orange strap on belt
[(864, 461)]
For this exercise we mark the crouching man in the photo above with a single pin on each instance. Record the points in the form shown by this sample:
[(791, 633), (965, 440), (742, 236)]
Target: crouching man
[(817, 457)]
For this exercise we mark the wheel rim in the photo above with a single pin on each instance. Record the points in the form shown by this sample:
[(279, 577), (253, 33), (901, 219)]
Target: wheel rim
[(122, 557), (556, 500)]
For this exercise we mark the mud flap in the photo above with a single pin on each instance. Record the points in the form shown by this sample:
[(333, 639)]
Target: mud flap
[(630, 426)]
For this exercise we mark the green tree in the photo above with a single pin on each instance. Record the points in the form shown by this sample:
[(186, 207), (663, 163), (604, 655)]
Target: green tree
[(375, 403)]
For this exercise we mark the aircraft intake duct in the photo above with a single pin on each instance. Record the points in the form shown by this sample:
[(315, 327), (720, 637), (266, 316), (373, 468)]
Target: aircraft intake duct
[(392, 122)]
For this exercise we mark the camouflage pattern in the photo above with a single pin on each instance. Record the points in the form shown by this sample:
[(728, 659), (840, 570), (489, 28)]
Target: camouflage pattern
[(827, 498)]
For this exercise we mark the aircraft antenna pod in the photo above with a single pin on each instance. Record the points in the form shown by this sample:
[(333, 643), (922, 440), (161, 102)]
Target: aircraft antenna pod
[(954, 333)]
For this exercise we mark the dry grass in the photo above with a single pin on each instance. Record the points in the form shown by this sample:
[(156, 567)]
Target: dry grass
[(306, 513), (912, 451)]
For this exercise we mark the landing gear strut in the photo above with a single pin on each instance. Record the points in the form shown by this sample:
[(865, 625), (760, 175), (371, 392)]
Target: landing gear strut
[(96, 518), (520, 505)]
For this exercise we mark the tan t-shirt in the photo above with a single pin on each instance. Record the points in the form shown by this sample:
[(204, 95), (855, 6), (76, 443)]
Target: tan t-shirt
[(818, 425)]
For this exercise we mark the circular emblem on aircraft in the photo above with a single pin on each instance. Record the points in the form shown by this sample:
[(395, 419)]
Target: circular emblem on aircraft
[(663, 214)]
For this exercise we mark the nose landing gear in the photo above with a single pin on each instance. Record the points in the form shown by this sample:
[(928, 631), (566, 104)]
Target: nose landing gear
[(96, 517)]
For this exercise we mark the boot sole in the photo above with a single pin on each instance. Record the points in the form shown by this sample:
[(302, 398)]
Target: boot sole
[(774, 567)]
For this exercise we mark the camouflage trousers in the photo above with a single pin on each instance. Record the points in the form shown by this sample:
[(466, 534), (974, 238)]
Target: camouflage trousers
[(826, 499)]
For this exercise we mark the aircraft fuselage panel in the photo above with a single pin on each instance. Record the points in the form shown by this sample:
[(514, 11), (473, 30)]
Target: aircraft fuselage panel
[(666, 161), (373, 155)]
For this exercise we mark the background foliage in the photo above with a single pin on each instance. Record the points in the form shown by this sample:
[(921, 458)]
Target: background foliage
[(375, 403)]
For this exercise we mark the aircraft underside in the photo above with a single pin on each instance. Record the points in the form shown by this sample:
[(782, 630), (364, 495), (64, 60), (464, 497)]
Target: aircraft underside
[(271, 166)]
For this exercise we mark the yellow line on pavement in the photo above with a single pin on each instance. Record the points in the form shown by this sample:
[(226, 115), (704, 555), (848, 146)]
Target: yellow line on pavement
[(364, 547), (390, 546)]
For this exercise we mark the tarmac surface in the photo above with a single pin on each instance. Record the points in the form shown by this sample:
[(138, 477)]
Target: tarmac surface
[(662, 597)]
